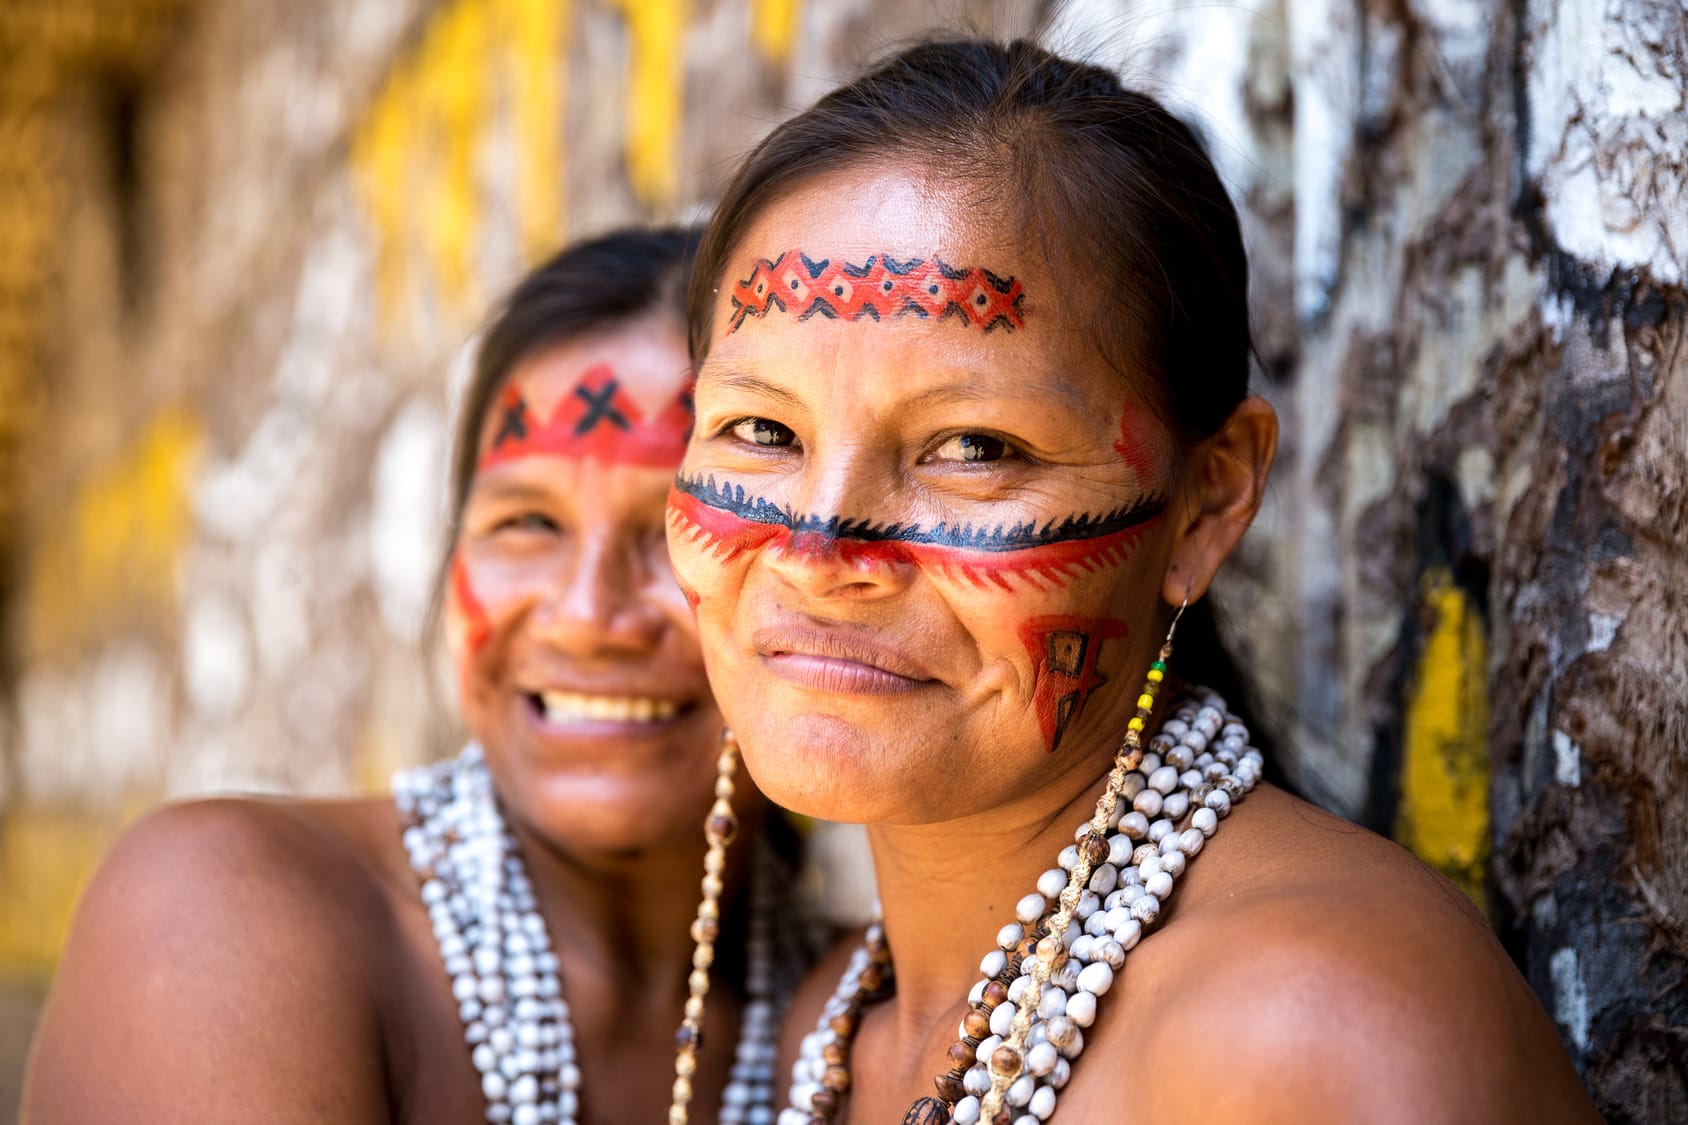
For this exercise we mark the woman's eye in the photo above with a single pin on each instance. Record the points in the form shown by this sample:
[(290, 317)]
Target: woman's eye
[(763, 431), (973, 447), (529, 521)]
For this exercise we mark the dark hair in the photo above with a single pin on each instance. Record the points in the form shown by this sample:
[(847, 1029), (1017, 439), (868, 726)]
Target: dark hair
[(597, 284), (1104, 179)]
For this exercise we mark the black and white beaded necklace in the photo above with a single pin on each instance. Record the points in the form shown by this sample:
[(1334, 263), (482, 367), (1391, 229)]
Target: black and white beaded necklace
[(504, 973)]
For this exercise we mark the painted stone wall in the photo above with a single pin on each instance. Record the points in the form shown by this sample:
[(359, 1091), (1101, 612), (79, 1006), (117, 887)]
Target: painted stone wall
[(242, 246)]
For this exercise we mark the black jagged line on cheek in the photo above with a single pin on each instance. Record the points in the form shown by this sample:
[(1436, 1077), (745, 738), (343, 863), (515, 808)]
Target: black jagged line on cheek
[(1027, 535)]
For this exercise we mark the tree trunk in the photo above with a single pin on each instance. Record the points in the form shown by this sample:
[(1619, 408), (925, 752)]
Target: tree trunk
[(1468, 225)]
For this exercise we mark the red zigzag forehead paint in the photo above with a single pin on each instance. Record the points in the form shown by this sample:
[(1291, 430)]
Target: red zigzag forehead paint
[(595, 420), (880, 287), (1043, 555)]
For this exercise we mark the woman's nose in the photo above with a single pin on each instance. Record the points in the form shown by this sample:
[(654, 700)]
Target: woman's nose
[(835, 547), (597, 603)]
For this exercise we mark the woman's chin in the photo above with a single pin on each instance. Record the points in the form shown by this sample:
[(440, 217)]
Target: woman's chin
[(612, 813), (823, 767)]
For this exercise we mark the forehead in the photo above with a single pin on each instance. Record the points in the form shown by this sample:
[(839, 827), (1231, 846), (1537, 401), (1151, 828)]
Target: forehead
[(983, 305), (621, 396), (646, 358), (857, 213)]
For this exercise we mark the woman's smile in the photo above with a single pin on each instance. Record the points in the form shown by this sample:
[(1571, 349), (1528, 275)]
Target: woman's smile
[(840, 663)]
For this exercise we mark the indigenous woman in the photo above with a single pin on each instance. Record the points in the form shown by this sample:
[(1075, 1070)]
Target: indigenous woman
[(511, 939), (972, 428)]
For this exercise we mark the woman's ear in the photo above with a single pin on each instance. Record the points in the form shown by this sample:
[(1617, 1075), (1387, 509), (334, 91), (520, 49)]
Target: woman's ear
[(1221, 496)]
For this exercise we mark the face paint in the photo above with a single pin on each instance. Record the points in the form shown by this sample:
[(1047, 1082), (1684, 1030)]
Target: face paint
[(879, 288), (1065, 655), (471, 628), (595, 420), (1137, 444), (728, 522)]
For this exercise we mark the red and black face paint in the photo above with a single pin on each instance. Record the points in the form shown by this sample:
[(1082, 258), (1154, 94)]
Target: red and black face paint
[(595, 420), (879, 288), (1066, 653), (1044, 555)]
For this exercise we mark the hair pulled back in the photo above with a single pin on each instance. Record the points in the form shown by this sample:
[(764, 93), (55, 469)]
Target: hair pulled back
[(1108, 182), (1116, 188), (592, 286)]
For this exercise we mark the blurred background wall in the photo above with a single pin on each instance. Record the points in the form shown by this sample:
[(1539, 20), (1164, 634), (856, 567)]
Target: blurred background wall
[(242, 245)]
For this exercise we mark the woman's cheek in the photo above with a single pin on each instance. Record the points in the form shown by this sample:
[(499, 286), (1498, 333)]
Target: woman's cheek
[(1068, 641), (468, 626), (707, 548)]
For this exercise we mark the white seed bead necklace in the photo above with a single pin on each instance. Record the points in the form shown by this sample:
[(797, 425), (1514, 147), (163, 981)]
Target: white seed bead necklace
[(504, 973), (1041, 986)]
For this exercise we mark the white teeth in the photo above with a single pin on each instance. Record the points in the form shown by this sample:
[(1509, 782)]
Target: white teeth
[(568, 706)]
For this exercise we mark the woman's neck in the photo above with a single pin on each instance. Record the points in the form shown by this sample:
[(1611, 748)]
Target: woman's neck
[(629, 913), (947, 889)]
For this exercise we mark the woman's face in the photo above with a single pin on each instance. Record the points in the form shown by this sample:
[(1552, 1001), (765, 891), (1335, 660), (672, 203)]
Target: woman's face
[(924, 523), (577, 657)]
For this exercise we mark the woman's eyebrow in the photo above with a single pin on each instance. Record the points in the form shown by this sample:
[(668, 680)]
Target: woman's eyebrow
[(496, 488), (736, 379)]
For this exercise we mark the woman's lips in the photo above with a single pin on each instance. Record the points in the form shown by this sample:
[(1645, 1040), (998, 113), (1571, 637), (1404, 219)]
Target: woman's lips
[(841, 663)]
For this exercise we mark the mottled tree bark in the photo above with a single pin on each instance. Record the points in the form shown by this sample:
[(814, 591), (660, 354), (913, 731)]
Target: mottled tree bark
[(1468, 224)]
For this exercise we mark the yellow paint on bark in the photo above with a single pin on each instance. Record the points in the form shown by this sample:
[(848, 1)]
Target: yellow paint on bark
[(656, 96), (535, 42), (1444, 811), (416, 151), (451, 101), (113, 557), (773, 28)]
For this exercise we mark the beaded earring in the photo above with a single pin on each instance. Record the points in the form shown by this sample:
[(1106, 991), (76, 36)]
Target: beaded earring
[(1008, 1060), (719, 828)]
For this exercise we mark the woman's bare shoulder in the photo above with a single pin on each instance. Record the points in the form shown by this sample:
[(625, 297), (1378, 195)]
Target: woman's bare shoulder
[(224, 956), (1347, 980)]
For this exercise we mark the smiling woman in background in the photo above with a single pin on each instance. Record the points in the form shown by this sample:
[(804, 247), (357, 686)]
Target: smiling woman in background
[(973, 426), (517, 917)]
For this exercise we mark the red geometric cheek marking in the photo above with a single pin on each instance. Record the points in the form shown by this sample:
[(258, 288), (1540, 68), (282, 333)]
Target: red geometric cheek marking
[(1065, 652), (880, 287), (594, 420)]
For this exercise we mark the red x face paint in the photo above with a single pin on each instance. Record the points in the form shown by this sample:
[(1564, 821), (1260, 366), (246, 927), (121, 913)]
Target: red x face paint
[(879, 288), (726, 522), (1065, 651), (597, 420)]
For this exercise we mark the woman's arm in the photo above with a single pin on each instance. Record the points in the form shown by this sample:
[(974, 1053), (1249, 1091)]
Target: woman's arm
[(218, 969)]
